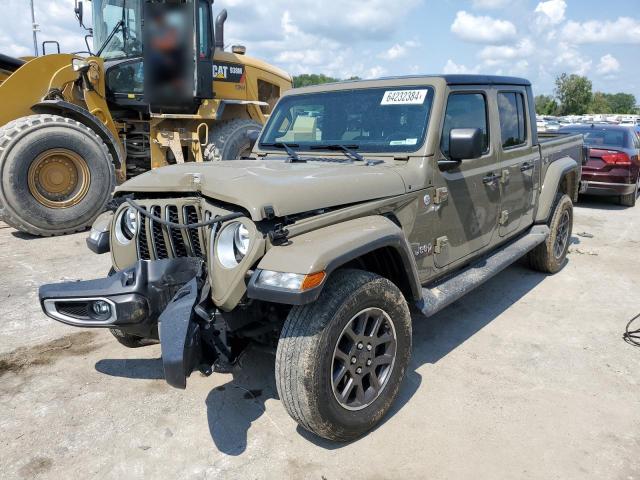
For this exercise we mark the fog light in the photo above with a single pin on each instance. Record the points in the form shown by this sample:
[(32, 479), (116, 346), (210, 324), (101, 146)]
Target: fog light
[(101, 308)]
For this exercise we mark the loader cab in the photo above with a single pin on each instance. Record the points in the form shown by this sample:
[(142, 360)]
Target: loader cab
[(158, 53)]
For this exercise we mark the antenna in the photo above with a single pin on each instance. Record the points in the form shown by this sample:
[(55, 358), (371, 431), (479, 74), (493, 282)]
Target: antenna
[(35, 29)]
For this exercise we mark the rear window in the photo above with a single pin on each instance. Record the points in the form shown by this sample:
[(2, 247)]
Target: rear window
[(596, 137)]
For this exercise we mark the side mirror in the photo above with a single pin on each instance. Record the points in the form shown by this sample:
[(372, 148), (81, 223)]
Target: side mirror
[(253, 137), (79, 12), (465, 143)]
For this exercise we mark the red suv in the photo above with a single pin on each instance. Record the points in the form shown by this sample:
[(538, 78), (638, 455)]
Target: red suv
[(613, 165)]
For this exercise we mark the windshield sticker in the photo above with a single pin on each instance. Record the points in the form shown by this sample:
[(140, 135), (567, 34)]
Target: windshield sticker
[(408, 141), (404, 97)]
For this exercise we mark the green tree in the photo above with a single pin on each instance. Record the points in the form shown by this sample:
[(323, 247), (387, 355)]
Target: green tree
[(622, 103), (574, 93), (307, 79), (546, 105), (600, 103)]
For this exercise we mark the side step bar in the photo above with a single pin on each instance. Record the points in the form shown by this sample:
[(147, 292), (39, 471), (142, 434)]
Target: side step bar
[(446, 292)]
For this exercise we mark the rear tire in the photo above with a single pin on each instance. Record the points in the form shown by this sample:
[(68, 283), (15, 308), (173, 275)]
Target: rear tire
[(56, 175), (550, 256), (318, 343), (230, 140)]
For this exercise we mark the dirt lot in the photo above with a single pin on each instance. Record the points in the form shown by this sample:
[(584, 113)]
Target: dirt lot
[(528, 377)]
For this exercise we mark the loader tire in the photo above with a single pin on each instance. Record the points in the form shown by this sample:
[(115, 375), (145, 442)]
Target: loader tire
[(550, 256), (341, 360), (229, 140), (56, 175)]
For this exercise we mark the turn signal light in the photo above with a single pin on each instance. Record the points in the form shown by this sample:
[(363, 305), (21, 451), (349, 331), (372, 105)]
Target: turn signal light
[(313, 280)]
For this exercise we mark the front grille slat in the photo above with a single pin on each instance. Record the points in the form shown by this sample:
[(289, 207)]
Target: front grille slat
[(190, 217), (143, 244), (157, 236), (177, 240)]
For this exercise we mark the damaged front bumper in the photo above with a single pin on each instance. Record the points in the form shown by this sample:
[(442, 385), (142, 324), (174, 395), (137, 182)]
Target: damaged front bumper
[(153, 299)]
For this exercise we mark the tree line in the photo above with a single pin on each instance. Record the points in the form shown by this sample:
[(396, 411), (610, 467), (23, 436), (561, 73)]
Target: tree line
[(308, 79), (574, 95)]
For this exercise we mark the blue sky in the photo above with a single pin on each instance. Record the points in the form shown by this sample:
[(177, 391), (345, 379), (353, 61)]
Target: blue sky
[(534, 39)]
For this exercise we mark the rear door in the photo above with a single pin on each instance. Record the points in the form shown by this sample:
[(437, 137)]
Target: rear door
[(519, 161), (468, 217)]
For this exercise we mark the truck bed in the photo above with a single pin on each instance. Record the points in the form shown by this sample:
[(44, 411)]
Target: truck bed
[(554, 146)]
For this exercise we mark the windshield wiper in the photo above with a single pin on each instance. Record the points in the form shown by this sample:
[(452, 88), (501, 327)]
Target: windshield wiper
[(289, 148), (348, 150)]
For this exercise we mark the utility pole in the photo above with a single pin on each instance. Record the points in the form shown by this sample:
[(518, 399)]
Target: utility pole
[(35, 29)]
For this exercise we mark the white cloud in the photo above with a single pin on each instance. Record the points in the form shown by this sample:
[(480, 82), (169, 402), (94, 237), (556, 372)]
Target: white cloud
[(570, 60), (490, 4), (622, 30), (608, 65), (482, 29), (499, 54), (399, 50), (551, 12), (453, 68)]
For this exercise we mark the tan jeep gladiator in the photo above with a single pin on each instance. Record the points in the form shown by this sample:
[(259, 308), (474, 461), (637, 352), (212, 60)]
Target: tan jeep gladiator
[(362, 199)]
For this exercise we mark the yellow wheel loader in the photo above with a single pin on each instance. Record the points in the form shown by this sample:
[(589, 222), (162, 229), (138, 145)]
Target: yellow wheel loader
[(72, 126)]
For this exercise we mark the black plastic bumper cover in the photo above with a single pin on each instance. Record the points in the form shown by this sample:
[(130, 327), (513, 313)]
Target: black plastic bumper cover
[(137, 296)]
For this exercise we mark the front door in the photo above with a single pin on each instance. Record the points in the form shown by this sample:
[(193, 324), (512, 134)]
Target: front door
[(468, 217), (519, 161)]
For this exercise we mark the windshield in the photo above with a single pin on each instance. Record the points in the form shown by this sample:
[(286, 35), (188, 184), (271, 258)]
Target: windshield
[(602, 137), (127, 42), (369, 120)]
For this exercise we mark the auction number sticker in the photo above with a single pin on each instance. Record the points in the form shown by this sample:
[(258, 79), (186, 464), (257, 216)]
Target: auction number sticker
[(404, 97)]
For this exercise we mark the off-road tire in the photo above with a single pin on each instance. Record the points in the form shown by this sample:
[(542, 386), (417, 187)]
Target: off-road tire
[(542, 258), (21, 141), (229, 140), (630, 199), (306, 349)]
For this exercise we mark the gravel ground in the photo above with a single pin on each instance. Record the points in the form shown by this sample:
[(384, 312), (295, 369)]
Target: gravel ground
[(527, 377)]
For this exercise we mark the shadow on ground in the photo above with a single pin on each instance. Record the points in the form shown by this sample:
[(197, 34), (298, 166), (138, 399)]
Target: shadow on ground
[(597, 202), (232, 408)]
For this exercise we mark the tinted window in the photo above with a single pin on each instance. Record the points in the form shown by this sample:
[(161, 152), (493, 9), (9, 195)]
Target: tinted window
[(512, 119), (597, 136), (204, 21), (465, 110), (372, 120)]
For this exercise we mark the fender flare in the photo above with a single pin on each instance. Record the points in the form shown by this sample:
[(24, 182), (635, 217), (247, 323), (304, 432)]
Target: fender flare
[(554, 175), (328, 249), (60, 107)]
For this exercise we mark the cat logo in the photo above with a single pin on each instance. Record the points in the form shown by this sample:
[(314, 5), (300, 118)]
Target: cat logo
[(228, 72)]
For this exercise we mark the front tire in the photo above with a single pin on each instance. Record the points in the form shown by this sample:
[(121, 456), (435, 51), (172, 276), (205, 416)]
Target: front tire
[(230, 140), (550, 256), (341, 359), (56, 175)]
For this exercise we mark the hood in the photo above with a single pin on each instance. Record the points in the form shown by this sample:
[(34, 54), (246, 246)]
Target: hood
[(289, 188)]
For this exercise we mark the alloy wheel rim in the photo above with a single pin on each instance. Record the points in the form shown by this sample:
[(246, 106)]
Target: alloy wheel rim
[(58, 178), (363, 359), (562, 235)]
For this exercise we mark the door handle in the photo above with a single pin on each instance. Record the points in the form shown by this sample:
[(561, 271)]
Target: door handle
[(527, 166), (490, 178)]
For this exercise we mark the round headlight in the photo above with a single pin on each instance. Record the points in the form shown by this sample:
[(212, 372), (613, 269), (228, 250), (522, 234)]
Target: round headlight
[(242, 240), (232, 244), (126, 225)]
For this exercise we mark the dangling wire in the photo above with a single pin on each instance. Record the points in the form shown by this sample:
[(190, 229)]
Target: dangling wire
[(632, 337), (182, 226)]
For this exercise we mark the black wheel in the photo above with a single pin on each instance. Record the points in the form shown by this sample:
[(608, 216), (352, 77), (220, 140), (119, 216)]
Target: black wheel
[(630, 199), (230, 140), (341, 360), (550, 256), (56, 174)]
